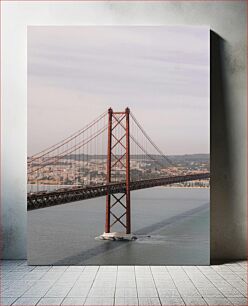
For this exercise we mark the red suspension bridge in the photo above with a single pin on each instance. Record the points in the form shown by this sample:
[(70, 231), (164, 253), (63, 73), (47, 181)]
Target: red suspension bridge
[(111, 156)]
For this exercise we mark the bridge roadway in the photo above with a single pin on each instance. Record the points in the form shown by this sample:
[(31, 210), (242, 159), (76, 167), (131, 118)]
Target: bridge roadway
[(47, 199)]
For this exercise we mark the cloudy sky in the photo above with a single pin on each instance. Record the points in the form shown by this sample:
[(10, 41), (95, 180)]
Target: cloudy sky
[(160, 72)]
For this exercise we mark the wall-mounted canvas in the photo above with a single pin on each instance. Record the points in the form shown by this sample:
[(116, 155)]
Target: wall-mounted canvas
[(118, 145)]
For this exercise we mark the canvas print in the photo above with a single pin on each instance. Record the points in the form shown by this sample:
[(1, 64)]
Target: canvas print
[(118, 145)]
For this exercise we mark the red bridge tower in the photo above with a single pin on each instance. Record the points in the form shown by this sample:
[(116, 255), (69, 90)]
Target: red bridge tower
[(118, 155)]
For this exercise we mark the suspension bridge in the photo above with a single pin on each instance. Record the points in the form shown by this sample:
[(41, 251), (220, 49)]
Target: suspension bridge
[(111, 156)]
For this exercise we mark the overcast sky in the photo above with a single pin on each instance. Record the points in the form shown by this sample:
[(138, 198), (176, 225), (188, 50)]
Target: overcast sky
[(160, 72)]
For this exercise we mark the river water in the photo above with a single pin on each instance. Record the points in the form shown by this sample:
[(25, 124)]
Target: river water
[(172, 226)]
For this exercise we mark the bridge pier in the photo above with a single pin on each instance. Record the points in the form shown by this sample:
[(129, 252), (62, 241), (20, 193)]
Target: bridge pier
[(118, 236)]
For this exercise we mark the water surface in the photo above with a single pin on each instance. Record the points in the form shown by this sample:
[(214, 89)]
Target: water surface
[(172, 225)]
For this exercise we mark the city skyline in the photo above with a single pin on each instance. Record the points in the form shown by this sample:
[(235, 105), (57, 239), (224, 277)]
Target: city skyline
[(75, 73)]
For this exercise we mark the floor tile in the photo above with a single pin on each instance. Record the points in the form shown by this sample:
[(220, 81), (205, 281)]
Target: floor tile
[(33, 275), (217, 301), (147, 292), (162, 276), (129, 276), (88, 269), (229, 291), (99, 301), (79, 291), (102, 292), (39, 289), (42, 268), (142, 282), (58, 268), (121, 301), (75, 269), (103, 283), (50, 301), (164, 292), (85, 280), (125, 269), (15, 275), (166, 301), (58, 291), (13, 292), (7, 301), (194, 301), (126, 283), (27, 301), (126, 292), (211, 292), (73, 301), (239, 301), (149, 301), (51, 275), (108, 269), (189, 292)]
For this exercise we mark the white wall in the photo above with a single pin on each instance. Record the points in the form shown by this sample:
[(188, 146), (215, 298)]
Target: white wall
[(228, 104)]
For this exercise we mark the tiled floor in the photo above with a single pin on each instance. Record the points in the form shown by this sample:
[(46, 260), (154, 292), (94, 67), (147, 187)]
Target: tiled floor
[(123, 285)]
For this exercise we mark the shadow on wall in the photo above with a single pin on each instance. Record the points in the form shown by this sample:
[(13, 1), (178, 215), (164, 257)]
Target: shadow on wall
[(225, 230)]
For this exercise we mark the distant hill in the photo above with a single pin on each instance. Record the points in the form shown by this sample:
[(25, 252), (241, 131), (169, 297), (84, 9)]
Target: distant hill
[(190, 157), (173, 158)]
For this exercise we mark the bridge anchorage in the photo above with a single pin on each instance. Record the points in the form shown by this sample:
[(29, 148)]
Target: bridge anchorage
[(117, 141)]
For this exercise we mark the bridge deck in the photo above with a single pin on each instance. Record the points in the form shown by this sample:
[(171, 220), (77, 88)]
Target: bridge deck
[(46, 199)]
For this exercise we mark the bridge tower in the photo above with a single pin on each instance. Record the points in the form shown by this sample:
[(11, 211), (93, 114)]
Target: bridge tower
[(118, 155)]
